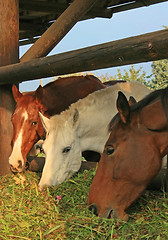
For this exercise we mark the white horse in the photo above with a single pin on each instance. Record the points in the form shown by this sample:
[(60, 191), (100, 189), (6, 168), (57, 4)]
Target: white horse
[(84, 126)]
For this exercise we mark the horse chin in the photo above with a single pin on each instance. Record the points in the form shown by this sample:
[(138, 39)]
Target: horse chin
[(49, 182), (54, 182), (65, 177), (114, 214)]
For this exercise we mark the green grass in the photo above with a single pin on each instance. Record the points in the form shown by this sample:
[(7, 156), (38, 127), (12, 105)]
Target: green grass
[(26, 213)]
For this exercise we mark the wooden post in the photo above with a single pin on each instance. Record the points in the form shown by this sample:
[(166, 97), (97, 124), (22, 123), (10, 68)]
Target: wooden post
[(167, 176), (9, 53), (58, 30)]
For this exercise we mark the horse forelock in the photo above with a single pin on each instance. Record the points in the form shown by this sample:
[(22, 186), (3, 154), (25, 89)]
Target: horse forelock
[(25, 101)]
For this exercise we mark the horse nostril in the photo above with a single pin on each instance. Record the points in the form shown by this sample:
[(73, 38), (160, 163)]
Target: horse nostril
[(13, 169), (19, 164), (112, 214), (93, 208)]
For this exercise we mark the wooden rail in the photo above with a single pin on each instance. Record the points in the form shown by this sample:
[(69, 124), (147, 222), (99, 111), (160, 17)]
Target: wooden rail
[(143, 48)]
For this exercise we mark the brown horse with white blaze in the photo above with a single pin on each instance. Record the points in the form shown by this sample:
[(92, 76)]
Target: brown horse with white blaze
[(132, 156), (49, 100)]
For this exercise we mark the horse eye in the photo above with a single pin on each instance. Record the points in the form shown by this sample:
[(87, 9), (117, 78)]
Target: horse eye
[(109, 151), (34, 123), (66, 149)]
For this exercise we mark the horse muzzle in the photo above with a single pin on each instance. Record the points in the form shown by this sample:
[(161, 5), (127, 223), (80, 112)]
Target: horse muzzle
[(18, 169)]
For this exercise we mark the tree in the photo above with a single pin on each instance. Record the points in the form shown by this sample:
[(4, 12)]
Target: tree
[(159, 76), (130, 75)]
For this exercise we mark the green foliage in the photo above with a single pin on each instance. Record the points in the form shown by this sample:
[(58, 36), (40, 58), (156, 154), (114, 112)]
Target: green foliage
[(26, 213), (131, 75), (157, 80), (159, 77)]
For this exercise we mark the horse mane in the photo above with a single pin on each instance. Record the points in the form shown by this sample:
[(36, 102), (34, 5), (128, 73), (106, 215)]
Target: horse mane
[(151, 97), (164, 99), (32, 93)]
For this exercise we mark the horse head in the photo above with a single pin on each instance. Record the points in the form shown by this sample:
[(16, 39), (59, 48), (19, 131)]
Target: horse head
[(61, 147), (27, 127), (132, 155)]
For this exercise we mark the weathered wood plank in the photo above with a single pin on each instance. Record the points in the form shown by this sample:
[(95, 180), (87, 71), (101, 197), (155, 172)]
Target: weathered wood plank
[(143, 48), (9, 42), (58, 30)]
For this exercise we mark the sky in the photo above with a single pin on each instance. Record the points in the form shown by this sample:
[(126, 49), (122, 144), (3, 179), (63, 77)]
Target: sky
[(99, 30)]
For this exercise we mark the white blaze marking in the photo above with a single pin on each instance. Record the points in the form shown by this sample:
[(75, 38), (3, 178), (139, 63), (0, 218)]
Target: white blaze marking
[(16, 152)]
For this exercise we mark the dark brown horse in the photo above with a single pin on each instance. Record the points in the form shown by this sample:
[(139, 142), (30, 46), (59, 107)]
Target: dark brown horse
[(113, 82), (49, 100), (132, 155)]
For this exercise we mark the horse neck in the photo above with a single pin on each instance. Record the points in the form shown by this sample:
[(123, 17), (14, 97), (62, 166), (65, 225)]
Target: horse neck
[(95, 114), (97, 110)]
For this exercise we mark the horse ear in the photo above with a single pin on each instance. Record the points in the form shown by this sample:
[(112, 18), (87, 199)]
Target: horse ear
[(39, 92), (45, 121), (75, 117), (123, 107), (16, 93), (131, 101)]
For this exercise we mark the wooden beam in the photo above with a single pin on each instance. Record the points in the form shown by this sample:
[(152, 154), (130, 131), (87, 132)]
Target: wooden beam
[(42, 6), (58, 8), (133, 5), (147, 47), (59, 29), (9, 42)]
